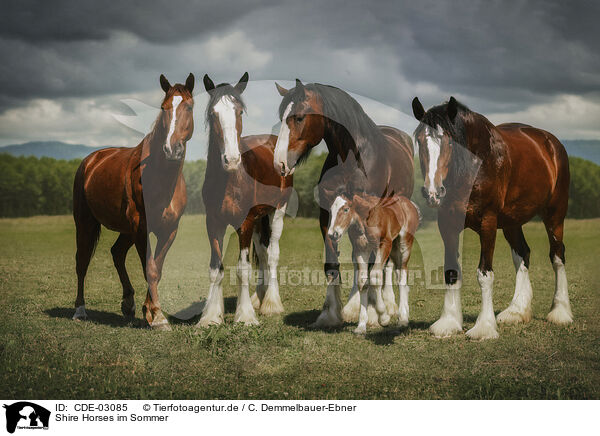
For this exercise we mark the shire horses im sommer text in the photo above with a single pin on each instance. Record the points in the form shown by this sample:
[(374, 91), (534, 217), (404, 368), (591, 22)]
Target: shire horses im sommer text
[(487, 177), (241, 189), (136, 191), (377, 160)]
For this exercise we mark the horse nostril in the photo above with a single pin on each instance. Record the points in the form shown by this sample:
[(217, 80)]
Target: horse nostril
[(225, 160), (442, 192)]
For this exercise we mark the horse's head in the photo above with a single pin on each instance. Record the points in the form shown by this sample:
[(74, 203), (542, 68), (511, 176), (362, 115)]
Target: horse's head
[(302, 126), (346, 212), (434, 139), (224, 115), (178, 116)]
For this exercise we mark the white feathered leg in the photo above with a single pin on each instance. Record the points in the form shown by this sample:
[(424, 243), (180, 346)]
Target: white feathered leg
[(485, 326), (403, 308), (451, 320), (263, 278), (352, 307), (519, 309), (388, 289), (214, 305), (244, 311), (271, 303), (363, 278), (561, 307)]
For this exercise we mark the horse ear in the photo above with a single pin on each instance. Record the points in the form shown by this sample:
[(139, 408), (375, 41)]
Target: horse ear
[(241, 85), (299, 85), (361, 206), (281, 90), (452, 108), (418, 110), (208, 83), (164, 83), (189, 82)]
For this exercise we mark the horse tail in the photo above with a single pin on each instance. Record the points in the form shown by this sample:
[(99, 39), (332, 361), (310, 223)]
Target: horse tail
[(419, 215), (82, 214)]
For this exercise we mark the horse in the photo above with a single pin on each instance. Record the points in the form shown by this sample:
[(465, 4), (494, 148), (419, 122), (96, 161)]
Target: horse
[(377, 159), (488, 177), (380, 230), (241, 189), (136, 191)]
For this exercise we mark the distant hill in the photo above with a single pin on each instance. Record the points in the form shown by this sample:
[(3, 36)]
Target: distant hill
[(586, 149), (54, 149)]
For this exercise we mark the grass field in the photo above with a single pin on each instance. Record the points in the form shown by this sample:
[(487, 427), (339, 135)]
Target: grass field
[(44, 354)]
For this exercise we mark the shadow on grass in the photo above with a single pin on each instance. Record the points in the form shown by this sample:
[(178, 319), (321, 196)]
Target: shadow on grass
[(192, 314), (386, 335), (304, 319), (97, 317)]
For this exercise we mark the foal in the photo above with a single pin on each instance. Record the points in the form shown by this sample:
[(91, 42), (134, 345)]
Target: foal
[(380, 229), (242, 189)]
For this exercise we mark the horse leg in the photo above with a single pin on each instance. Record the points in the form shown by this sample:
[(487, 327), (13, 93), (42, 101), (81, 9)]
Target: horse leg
[(388, 288), (213, 310), (402, 248), (151, 308), (352, 307), (87, 233), (376, 282), (362, 260), (271, 304), (260, 248), (331, 315), (560, 313), (119, 253), (450, 321), (244, 311), (485, 326), (519, 310)]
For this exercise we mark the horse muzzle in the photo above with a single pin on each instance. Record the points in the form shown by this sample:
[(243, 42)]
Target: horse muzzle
[(434, 199), (176, 152), (231, 164)]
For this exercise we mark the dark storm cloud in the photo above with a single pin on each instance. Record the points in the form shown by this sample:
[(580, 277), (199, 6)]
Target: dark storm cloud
[(500, 56)]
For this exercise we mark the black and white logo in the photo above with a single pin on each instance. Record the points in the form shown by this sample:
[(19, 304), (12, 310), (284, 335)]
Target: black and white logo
[(26, 415)]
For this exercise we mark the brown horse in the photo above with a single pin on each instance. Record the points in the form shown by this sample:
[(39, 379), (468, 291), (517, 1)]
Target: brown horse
[(241, 189), (136, 191), (487, 177), (376, 159), (380, 230)]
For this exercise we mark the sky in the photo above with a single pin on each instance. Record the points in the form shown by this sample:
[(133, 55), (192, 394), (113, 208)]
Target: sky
[(77, 71)]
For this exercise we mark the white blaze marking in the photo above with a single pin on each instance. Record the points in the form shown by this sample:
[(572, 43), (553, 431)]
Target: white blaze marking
[(225, 110), (335, 208), (176, 100), (433, 148), (283, 140)]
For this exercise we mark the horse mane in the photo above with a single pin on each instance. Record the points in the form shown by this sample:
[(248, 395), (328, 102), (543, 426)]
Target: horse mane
[(343, 110), (461, 163), (220, 91)]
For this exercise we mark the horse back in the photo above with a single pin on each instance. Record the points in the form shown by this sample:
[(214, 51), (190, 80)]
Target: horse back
[(399, 156)]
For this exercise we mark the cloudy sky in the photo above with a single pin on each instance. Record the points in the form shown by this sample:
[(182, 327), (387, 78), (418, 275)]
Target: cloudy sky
[(73, 70)]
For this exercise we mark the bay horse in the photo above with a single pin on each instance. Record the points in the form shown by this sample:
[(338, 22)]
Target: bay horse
[(241, 189), (488, 177), (380, 230), (136, 191), (377, 159)]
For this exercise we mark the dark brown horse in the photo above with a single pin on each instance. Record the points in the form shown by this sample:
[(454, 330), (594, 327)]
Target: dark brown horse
[(380, 230), (241, 189), (136, 191), (375, 159), (487, 177)]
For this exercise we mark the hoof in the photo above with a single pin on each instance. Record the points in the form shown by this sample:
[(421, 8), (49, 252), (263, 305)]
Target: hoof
[(271, 305), (127, 309), (80, 313), (560, 315), (160, 323), (255, 301), (482, 331), (351, 309), (391, 308), (326, 320), (384, 320), (207, 321), (360, 330), (373, 317), (445, 327), (248, 318), (402, 323), (512, 315)]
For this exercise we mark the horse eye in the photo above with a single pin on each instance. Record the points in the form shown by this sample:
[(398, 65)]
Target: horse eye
[(346, 209), (300, 118)]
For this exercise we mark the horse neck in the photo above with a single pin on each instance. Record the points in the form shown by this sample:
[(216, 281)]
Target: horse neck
[(340, 143), (157, 162)]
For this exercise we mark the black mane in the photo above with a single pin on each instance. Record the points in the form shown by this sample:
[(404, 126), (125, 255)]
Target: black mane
[(461, 162), (222, 90), (343, 110)]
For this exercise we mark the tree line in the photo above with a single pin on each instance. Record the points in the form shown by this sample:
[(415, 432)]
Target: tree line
[(31, 186)]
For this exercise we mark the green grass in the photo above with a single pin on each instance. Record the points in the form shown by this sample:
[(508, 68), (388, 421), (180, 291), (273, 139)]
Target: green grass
[(44, 354)]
